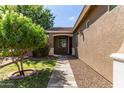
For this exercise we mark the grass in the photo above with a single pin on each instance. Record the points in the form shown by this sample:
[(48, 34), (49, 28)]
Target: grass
[(45, 68)]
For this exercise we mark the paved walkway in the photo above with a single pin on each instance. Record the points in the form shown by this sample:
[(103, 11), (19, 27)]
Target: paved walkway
[(62, 76)]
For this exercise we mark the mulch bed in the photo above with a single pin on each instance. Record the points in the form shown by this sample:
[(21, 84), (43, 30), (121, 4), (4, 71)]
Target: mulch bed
[(86, 77)]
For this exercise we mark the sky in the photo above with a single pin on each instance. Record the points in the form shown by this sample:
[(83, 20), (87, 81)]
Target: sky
[(65, 15)]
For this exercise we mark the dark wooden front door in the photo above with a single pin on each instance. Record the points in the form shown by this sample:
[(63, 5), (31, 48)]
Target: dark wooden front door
[(61, 45)]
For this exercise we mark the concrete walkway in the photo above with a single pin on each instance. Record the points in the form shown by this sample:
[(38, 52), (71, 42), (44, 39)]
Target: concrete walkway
[(62, 76)]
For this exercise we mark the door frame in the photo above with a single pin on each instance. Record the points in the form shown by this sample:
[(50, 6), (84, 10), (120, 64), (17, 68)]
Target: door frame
[(58, 50)]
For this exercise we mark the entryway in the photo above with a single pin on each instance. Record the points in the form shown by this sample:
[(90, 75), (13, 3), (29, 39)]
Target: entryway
[(62, 45)]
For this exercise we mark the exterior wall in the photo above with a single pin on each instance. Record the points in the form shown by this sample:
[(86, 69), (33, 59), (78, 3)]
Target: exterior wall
[(51, 44), (104, 36), (75, 43)]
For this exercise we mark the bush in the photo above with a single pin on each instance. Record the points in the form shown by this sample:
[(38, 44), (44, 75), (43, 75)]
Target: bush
[(41, 52)]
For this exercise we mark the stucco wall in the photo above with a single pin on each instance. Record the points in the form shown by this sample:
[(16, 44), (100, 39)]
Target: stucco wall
[(102, 38), (51, 44)]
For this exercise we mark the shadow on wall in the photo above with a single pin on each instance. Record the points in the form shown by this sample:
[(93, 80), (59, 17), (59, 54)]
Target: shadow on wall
[(75, 43)]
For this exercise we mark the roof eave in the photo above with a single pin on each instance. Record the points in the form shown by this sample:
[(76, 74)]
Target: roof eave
[(55, 32), (81, 16)]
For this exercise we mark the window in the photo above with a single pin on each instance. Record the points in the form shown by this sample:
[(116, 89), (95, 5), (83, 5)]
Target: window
[(62, 42), (87, 24), (110, 7)]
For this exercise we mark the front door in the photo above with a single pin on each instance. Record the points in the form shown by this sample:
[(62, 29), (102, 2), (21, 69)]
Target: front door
[(61, 45)]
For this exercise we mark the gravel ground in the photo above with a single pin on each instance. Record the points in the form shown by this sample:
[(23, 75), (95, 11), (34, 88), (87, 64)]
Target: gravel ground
[(86, 77)]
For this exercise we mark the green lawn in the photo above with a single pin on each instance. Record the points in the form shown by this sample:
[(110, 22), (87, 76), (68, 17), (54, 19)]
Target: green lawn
[(44, 67)]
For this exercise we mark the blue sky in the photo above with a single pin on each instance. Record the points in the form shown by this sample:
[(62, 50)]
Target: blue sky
[(65, 15)]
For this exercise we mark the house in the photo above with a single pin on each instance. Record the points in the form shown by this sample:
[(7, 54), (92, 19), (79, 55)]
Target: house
[(98, 32)]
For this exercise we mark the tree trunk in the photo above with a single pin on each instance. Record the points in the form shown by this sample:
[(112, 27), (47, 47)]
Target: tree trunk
[(18, 67), (21, 66), (16, 63)]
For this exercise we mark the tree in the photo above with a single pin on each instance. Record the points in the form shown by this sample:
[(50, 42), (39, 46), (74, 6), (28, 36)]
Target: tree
[(19, 34), (4, 8), (41, 16), (37, 13)]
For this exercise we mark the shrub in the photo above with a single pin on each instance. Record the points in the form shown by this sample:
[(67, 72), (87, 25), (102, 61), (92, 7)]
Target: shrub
[(41, 52)]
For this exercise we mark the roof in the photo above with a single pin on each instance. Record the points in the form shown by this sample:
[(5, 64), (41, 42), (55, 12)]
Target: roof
[(60, 29), (81, 16), (66, 30)]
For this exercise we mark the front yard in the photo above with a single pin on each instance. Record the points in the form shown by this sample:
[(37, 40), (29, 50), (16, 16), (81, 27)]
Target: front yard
[(43, 66)]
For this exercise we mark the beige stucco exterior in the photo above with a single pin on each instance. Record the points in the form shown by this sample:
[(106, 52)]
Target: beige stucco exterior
[(104, 36), (95, 44)]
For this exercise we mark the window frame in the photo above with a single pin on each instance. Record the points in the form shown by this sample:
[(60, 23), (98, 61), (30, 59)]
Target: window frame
[(87, 23), (112, 8), (60, 42)]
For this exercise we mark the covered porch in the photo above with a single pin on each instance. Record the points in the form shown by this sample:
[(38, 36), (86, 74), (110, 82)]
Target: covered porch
[(60, 41)]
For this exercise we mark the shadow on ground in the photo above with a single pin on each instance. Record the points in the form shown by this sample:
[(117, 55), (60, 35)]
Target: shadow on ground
[(39, 80), (59, 80)]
